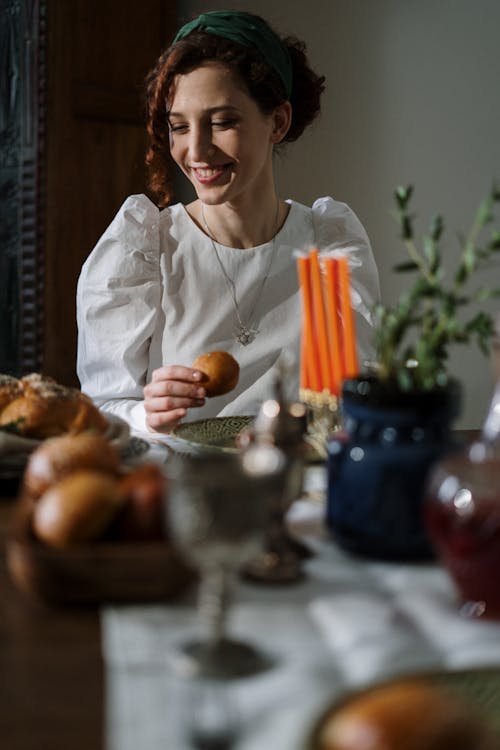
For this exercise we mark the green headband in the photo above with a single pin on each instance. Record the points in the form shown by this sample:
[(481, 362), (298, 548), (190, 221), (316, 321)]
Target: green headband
[(249, 31)]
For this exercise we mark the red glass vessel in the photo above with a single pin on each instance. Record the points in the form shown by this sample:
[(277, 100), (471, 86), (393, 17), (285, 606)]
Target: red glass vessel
[(463, 522), (462, 515)]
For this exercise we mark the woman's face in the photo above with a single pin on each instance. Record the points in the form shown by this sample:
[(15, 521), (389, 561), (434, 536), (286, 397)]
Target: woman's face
[(219, 137)]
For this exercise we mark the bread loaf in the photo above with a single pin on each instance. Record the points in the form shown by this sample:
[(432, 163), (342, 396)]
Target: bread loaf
[(143, 517), (220, 370), (59, 456), (407, 715), (77, 509), (39, 408)]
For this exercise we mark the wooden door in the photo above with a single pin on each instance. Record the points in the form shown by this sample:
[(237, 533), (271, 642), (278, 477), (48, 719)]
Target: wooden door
[(98, 52)]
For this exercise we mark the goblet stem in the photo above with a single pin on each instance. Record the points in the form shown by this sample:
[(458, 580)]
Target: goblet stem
[(213, 601), (212, 715), (215, 655)]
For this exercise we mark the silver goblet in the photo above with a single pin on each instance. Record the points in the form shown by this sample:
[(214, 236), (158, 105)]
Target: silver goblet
[(281, 425), (218, 509)]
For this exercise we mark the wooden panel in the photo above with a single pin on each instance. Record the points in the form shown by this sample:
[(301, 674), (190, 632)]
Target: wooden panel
[(52, 686), (98, 56), (94, 101)]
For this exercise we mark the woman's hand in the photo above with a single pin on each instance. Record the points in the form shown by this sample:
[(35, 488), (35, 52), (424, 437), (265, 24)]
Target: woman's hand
[(172, 390)]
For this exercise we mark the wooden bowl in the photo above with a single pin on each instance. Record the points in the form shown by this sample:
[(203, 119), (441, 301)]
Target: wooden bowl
[(93, 573)]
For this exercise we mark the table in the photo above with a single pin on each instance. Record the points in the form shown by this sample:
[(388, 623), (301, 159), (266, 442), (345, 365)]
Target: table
[(349, 623), (51, 670), (53, 679)]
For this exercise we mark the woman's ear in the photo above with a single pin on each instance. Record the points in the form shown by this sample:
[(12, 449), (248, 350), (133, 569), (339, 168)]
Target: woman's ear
[(282, 118)]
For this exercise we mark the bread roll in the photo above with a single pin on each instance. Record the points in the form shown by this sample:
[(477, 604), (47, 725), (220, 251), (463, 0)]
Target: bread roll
[(143, 517), (58, 456), (43, 408), (406, 715), (77, 509), (220, 370)]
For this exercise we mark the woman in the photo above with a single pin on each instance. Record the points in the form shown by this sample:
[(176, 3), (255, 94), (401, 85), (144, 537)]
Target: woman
[(166, 282)]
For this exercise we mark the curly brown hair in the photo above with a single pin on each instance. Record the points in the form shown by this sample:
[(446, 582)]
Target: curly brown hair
[(262, 82)]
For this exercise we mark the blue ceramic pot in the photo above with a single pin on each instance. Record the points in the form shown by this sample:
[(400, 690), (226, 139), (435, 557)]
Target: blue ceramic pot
[(378, 464)]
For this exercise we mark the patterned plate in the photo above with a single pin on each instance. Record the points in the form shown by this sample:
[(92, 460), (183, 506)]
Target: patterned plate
[(16, 448), (15, 451), (215, 434)]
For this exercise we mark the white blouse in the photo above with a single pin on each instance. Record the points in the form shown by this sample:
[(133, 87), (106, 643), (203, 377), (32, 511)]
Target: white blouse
[(152, 293)]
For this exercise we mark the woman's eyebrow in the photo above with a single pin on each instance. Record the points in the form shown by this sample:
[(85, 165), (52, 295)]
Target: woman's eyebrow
[(209, 111)]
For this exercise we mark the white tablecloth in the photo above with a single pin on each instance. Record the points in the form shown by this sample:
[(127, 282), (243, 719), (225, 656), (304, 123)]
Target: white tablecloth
[(348, 623)]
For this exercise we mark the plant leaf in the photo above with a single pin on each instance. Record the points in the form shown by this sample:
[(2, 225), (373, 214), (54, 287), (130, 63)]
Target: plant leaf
[(436, 227), (409, 265), (484, 294), (484, 212), (403, 195), (406, 227), (429, 315), (431, 253), (494, 243)]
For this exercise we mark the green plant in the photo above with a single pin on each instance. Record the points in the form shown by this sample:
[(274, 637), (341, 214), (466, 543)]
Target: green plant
[(413, 338)]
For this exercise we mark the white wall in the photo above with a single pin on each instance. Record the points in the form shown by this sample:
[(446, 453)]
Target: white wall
[(413, 96)]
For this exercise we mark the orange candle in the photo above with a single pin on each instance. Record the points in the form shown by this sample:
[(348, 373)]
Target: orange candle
[(311, 381), (320, 321), (309, 363), (351, 367), (305, 376), (334, 330)]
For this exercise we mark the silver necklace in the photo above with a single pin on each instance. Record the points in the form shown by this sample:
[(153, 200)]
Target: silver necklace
[(244, 333)]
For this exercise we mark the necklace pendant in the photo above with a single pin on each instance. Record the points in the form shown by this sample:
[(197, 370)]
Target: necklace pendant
[(246, 335)]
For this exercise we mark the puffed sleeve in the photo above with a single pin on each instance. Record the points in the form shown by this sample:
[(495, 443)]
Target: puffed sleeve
[(118, 295), (338, 231)]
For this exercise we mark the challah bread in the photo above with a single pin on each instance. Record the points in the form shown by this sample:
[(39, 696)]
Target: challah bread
[(41, 408), (220, 370)]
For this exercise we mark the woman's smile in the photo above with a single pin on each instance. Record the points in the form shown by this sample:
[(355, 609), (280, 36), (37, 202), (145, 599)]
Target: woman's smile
[(209, 175)]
